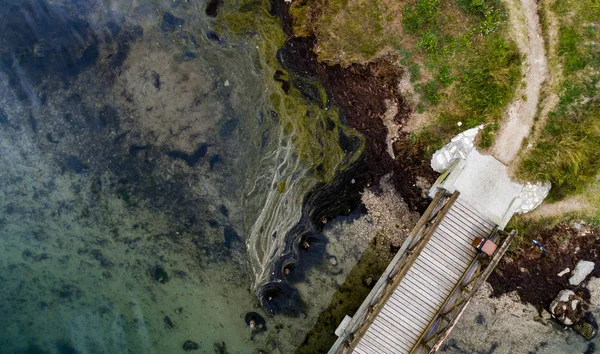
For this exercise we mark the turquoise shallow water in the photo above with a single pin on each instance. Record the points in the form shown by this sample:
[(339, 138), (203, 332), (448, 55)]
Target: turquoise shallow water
[(138, 150)]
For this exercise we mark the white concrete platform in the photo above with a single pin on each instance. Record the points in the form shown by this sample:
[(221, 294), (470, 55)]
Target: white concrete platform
[(485, 183)]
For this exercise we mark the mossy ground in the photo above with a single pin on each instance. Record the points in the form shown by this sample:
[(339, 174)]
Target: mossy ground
[(568, 150)]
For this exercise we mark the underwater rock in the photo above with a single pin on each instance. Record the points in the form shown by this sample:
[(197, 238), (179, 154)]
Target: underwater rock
[(171, 22), (212, 7), (220, 348), (255, 321), (279, 297), (213, 36), (190, 345), (159, 274), (3, 118), (585, 329), (168, 323), (75, 165), (230, 236), (190, 159), (187, 56)]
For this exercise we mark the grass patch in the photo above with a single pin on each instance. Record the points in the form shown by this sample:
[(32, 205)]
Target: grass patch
[(567, 153), (461, 61)]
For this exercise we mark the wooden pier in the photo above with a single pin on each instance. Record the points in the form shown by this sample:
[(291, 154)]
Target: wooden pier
[(425, 289)]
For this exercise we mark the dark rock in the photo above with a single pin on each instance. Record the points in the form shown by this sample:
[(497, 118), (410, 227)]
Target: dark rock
[(214, 160), (187, 56), (32, 122), (171, 22), (159, 274), (134, 149), (230, 236), (3, 118), (190, 159), (51, 139), (585, 329), (220, 348), (212, 7), (255, 321), (75, 165), (189, 346), (155, 80), (214, 37), (224, 211), (168, 323)]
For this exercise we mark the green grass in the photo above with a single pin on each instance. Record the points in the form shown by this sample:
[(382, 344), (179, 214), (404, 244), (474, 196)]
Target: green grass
[(461, 63), (567, 153), (476, 69)]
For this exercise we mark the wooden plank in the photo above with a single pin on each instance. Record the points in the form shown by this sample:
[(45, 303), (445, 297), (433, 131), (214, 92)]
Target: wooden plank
[(474, 218), (464, 234), (412, 287), (401, 336), (420, 296), (465, 225), (438, 247), (458, 252), (435, 278), (401, 316), (424, 313), (375, 343), (399, 323), (441, 265), (441, 278), (412, 258), (469, 222), (466, 249), (465, 205), (426, 285), (459, 233)]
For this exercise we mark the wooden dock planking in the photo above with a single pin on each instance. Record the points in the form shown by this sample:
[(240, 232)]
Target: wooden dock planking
[(425, 287)]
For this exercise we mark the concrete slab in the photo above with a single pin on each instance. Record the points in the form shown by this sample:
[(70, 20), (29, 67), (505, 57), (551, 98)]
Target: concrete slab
[(485, 183), (485, 180)]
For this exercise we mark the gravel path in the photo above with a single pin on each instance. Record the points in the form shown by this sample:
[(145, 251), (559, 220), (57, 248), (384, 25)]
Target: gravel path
[(526, 30)]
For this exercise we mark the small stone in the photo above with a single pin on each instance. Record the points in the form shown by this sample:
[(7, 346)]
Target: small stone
[(581, 271), (190, 345), (333, 260), (226, 83), (368, 280), (585, 329), (565, 271)]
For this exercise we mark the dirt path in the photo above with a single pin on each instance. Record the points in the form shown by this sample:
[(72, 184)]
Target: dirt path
[(526, 31)]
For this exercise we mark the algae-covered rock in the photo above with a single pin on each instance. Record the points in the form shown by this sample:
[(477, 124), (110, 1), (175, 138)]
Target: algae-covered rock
[(568, 308), (585, 329)]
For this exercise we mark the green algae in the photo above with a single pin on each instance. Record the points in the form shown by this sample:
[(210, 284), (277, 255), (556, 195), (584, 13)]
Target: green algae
[(305, 121)]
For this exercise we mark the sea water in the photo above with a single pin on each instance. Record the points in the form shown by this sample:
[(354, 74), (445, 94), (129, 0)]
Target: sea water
[(147, 184)]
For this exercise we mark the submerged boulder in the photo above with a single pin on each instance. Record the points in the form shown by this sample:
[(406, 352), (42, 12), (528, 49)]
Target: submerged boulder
[(585, 329), (568, 308)]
